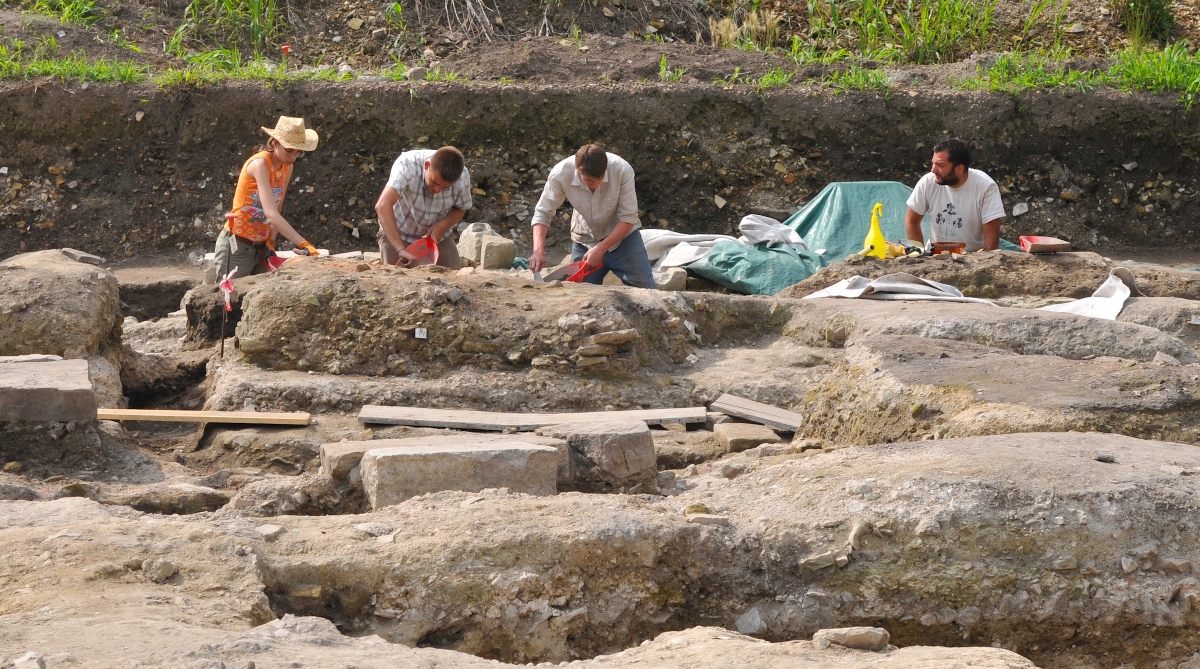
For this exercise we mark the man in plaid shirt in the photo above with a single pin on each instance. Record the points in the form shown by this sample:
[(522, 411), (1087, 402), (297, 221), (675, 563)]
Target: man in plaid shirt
[(427, 194)]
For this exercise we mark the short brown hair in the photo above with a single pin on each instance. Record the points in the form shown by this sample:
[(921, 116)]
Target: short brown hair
[(448, 163), (591, 160)]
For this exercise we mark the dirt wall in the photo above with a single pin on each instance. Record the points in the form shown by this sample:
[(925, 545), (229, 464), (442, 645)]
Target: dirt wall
[(124, 171)]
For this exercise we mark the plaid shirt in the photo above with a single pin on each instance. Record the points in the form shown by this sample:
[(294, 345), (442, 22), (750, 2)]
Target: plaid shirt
[(418, 209)]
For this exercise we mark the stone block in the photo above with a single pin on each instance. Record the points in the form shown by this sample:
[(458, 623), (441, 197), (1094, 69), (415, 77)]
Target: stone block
[(52, 390), (608, 454), (859, 638), (497, 253), (740, 436), (397, 469), (54, 305), (337, 460), (671, 278), (470, 241)]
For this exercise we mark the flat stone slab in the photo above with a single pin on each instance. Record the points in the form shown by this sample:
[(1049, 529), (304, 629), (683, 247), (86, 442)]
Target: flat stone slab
[(398, 469), (840, 322), (740, 436), (896, 388), (49, 390)]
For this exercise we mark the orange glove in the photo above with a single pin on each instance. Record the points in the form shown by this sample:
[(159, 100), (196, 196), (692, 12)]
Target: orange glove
[(306, 249)]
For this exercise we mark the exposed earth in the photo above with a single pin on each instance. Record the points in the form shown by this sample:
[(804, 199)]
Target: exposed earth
[(971, 485)]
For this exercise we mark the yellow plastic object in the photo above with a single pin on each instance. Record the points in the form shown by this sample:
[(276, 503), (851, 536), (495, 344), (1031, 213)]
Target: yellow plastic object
[(895, 250), (875, 244)]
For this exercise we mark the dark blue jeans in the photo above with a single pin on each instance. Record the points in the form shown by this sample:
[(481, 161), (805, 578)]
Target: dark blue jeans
[(628, 261)]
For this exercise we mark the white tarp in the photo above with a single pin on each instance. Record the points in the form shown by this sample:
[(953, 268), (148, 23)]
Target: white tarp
[(898, 286), (1108, 300), (757, 229), (666, 248)]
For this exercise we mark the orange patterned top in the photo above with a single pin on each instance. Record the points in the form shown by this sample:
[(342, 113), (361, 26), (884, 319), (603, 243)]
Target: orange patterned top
[(250, 220)]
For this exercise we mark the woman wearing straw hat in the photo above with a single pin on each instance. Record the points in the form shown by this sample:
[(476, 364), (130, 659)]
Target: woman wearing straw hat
[(256, 218)]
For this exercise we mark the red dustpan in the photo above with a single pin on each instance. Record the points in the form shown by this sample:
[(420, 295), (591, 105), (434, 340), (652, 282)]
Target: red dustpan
[(425, 250), (575, 272)]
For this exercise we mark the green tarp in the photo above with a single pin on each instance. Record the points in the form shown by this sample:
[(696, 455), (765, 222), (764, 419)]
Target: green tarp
[(835, 222)]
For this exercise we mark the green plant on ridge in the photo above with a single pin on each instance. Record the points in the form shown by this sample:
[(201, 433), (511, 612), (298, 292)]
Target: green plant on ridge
[(667, 73)]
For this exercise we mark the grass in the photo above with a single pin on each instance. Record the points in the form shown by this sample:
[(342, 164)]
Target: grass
[(118, 38), (1145, 19), (667, 73), (1020, 72), (81, 12), (212, 67), (856, 78), (1171, 69), (253, 21), (19, 61), (438, 74), (774, 77), (395, 16)]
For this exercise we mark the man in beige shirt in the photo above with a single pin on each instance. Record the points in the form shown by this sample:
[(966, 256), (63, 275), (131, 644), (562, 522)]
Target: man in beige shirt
[(599, 186)]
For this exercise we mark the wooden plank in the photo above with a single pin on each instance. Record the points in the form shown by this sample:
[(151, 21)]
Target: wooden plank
[(179, 416), (758, 412), (487, 420)]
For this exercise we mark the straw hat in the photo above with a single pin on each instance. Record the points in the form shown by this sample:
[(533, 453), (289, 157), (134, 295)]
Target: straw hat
[(291, 133)]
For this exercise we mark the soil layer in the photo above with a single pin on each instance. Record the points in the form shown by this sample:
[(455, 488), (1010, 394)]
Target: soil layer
[(161, 184)]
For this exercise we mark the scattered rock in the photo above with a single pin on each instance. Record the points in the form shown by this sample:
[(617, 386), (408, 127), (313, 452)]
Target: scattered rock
[(374, 529), (858, 638), (1175, 565), (1065, 563), (10, 491), (671, 278), (268, 531), (707, 519), (820, 561), (158, 569), (613, 338), (80, 256), (1020, 208), (1161, 358), (1099, 456), (738, 437), (29, 661)]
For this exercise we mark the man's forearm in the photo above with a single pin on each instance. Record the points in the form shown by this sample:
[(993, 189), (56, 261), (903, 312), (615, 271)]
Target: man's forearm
[(912, 226), (539, 237), (991, 235), (387, 221), (438, 230), (621, 231)]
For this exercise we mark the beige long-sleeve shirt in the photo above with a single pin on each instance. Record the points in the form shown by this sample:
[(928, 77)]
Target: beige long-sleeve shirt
[(596, 214)]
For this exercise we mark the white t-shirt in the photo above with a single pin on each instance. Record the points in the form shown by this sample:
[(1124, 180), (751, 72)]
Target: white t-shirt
[(957, 214)]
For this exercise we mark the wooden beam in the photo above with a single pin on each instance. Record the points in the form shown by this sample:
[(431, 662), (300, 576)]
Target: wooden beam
[(758, 412), (179, 416), (487, 420)]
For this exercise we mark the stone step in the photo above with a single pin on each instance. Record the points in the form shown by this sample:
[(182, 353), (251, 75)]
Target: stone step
[(46, 390), (397, 469)]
